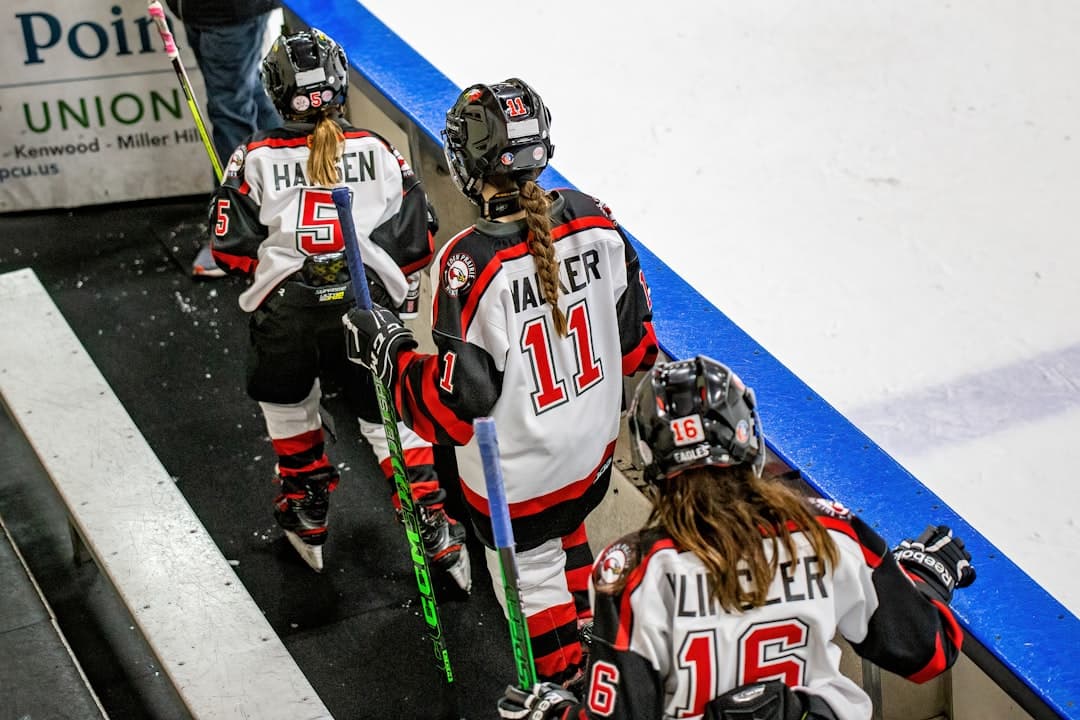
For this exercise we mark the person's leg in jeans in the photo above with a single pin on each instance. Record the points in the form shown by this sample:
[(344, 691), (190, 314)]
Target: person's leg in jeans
[(229, 57)]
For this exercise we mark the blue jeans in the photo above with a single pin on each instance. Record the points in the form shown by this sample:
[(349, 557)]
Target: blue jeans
[(229, 57)]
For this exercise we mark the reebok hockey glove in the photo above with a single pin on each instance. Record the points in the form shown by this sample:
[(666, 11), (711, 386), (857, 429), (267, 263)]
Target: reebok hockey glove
[(939, 559), (546, 701), (373, 338)]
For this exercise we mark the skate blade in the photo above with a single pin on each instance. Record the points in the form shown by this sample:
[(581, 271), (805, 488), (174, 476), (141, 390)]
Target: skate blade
[(461, 572), (311, 554)]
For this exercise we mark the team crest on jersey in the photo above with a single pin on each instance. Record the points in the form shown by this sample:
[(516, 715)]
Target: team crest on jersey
[(612, 567), (459, 274), (235, 167), (832, 508)]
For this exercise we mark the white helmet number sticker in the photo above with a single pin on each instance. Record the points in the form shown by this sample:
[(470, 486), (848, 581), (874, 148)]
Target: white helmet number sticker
[(688, 430)]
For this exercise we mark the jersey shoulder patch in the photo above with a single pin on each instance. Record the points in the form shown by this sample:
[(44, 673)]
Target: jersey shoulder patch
[(616, 563), (461, 262)]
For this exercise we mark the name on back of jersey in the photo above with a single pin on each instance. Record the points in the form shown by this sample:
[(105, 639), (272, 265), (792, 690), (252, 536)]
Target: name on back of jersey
[(577, 272), (353, 167), (801, 579)]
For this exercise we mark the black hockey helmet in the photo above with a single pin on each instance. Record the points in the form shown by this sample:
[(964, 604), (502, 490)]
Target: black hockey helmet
[(691, 413), (304, 72), (499, 129)]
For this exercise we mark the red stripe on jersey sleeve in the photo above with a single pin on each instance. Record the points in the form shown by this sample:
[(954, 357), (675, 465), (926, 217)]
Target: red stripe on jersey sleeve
[(626, 613), (243, 263), (538, 504), (872, 558), (935, 667), (644, 355), (583, 223), (433, 410)]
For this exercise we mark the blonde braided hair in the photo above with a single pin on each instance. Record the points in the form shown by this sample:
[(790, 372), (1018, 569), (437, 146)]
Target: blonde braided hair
[(537, 205)]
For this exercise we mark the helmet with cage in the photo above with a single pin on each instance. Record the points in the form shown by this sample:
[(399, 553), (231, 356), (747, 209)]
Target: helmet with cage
[(693, 413), (304, 73), (496, 130)]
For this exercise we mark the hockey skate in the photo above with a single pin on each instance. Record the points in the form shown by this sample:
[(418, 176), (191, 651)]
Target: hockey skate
[(444, 540), (301, 509), (205, 266)]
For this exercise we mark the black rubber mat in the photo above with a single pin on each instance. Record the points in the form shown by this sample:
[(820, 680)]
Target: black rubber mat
[(172, 348)]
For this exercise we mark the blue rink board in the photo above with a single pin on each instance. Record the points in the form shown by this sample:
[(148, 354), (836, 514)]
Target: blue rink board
[(1029, 632)]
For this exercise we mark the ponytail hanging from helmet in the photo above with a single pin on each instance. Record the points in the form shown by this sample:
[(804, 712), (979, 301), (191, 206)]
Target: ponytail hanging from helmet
[(537, 207), (326, 142)]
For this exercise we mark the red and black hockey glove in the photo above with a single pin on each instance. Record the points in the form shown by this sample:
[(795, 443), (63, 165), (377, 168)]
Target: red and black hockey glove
[(939, 559)]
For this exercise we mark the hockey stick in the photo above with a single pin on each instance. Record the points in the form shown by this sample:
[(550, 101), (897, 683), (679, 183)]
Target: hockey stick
[(157, 13), (488, 442), (410, 513)]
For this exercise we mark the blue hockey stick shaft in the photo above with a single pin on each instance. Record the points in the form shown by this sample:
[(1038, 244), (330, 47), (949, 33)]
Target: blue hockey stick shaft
[(488, 442), (411, 514)]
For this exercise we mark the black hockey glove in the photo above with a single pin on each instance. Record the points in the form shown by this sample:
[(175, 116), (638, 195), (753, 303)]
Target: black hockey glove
[(373, 338), (939, 559), (547, 700)]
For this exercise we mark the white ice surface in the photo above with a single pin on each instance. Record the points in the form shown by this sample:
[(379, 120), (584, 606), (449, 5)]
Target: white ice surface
[(885, 195)]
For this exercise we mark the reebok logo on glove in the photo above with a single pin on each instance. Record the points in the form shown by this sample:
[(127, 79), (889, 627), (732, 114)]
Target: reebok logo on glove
[(907, 556)]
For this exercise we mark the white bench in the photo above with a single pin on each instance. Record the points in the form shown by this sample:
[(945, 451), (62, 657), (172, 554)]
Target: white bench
[(213, 642)]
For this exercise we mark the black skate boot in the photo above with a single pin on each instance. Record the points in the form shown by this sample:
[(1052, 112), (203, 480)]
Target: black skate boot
[(444, 539), (301, 509)]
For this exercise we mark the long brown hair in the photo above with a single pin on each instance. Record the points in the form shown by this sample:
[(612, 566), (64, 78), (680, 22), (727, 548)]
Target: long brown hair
[(537, 205), (723, 514), (325, 141)]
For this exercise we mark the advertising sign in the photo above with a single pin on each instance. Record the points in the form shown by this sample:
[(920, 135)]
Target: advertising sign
[(91, 110)]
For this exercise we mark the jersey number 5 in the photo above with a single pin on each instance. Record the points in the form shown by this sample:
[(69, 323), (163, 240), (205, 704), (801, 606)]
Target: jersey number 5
[(548, 377), (318, 229)]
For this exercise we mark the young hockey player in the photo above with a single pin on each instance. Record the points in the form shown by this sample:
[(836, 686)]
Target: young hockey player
[(540, 309), (726, 604), (273, 220)]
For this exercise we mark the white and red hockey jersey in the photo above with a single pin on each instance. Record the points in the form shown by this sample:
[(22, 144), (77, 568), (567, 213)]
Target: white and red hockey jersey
[(555, 400), (663, 647), (266, 219)]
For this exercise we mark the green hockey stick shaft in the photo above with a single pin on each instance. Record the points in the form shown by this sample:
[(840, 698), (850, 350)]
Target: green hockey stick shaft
[(410, 513)]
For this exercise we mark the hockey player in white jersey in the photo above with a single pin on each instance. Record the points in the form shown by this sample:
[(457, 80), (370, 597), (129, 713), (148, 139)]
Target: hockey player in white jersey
[(273, 220), (540, 310), (726, 604)]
